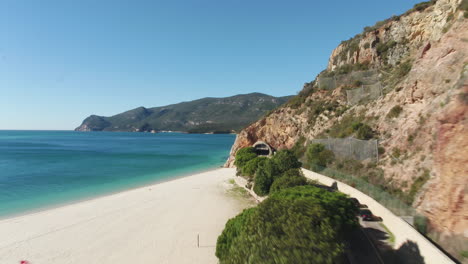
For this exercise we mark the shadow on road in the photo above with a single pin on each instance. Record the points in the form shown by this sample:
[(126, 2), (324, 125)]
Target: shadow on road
[(408, 253)]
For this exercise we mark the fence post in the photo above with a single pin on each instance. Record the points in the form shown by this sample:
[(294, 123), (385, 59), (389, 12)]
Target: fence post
[(349, 147), (377, 150)]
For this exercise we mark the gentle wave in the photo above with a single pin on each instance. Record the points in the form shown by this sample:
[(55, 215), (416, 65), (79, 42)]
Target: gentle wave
[(39, 169)]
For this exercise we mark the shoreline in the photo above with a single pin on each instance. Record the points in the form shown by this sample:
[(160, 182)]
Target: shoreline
[(155, 223), (90, 198)]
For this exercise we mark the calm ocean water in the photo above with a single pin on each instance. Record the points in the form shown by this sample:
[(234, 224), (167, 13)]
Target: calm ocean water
[(40, 169)]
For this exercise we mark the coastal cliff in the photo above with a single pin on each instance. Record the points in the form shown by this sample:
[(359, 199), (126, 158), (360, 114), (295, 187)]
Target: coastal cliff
[(418, 62)]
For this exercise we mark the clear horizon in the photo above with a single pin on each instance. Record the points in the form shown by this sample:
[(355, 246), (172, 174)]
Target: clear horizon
[(61, 61)]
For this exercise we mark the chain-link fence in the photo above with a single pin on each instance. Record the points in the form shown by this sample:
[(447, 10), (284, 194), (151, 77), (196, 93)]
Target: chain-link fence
[(364, 77), (365, 92), (454, 244), (351, 148), (326, 83), (392, 203)]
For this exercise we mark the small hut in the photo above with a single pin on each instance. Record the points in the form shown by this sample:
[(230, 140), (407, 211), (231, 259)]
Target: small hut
[(262, 148)]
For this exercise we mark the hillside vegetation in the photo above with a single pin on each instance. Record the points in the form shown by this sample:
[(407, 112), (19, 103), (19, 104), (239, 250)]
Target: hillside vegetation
[(207, 115), (404, 84), (300, 221)]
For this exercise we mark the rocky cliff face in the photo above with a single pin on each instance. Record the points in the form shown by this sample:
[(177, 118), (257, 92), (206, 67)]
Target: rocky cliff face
[(422, 62)]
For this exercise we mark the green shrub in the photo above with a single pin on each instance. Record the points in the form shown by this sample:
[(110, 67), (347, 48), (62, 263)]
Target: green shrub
[(464, 7), (293, 173), (423, 5), (367, 45), (339, 208), (346, 127), (382, 48), (418, 183), (252, 165), (381, 150), (396, 153), (420, 223), (299, 149), (296, 101), (234, 228), (403, 69), (264, 177), (318, 156), (365, 132), (350, 166), (291, 178), (394, 112), (357, 83), (303, 224), (285, 160), (243, 156), (356, 125)]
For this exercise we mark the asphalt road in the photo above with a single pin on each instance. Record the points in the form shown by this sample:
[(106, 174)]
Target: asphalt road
[(368, 243)]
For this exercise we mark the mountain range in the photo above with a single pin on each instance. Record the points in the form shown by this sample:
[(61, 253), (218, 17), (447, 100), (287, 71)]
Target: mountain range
[(206, 115)]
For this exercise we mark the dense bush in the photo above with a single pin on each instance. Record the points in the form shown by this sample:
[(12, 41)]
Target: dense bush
[(243, 156), (303, 224), (285, 160), (339, 208), (234, 228), (269, 170), (252, 165), (317, 156), (364, 132), (264, 177), (291, 178)]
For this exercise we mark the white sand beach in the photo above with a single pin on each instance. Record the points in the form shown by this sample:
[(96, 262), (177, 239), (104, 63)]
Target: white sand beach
[(153, 224)]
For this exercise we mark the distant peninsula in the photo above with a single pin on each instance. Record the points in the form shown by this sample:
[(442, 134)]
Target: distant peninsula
[(206, 115)]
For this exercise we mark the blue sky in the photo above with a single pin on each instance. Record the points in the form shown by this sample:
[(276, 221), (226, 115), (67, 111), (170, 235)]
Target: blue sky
[(61, 61)]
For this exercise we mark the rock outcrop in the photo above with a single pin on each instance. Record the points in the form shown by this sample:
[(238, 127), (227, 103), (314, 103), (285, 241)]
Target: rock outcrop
[(422, 60)]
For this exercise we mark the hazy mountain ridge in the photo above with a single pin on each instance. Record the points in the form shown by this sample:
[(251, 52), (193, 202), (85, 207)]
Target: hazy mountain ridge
[(206, 115)]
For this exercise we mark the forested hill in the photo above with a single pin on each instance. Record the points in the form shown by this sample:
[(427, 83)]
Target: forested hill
[(206, 115)]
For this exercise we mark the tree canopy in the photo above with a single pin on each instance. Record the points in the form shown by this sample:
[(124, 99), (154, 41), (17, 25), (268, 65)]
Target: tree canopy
[(252, 165), (243, 156), (295, 225), (318, 156), (290, 178)]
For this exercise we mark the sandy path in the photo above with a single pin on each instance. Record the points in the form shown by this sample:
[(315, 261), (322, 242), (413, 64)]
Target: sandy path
[(153, 224)]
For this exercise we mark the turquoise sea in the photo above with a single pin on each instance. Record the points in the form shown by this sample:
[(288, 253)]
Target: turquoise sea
[(41, 169)]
